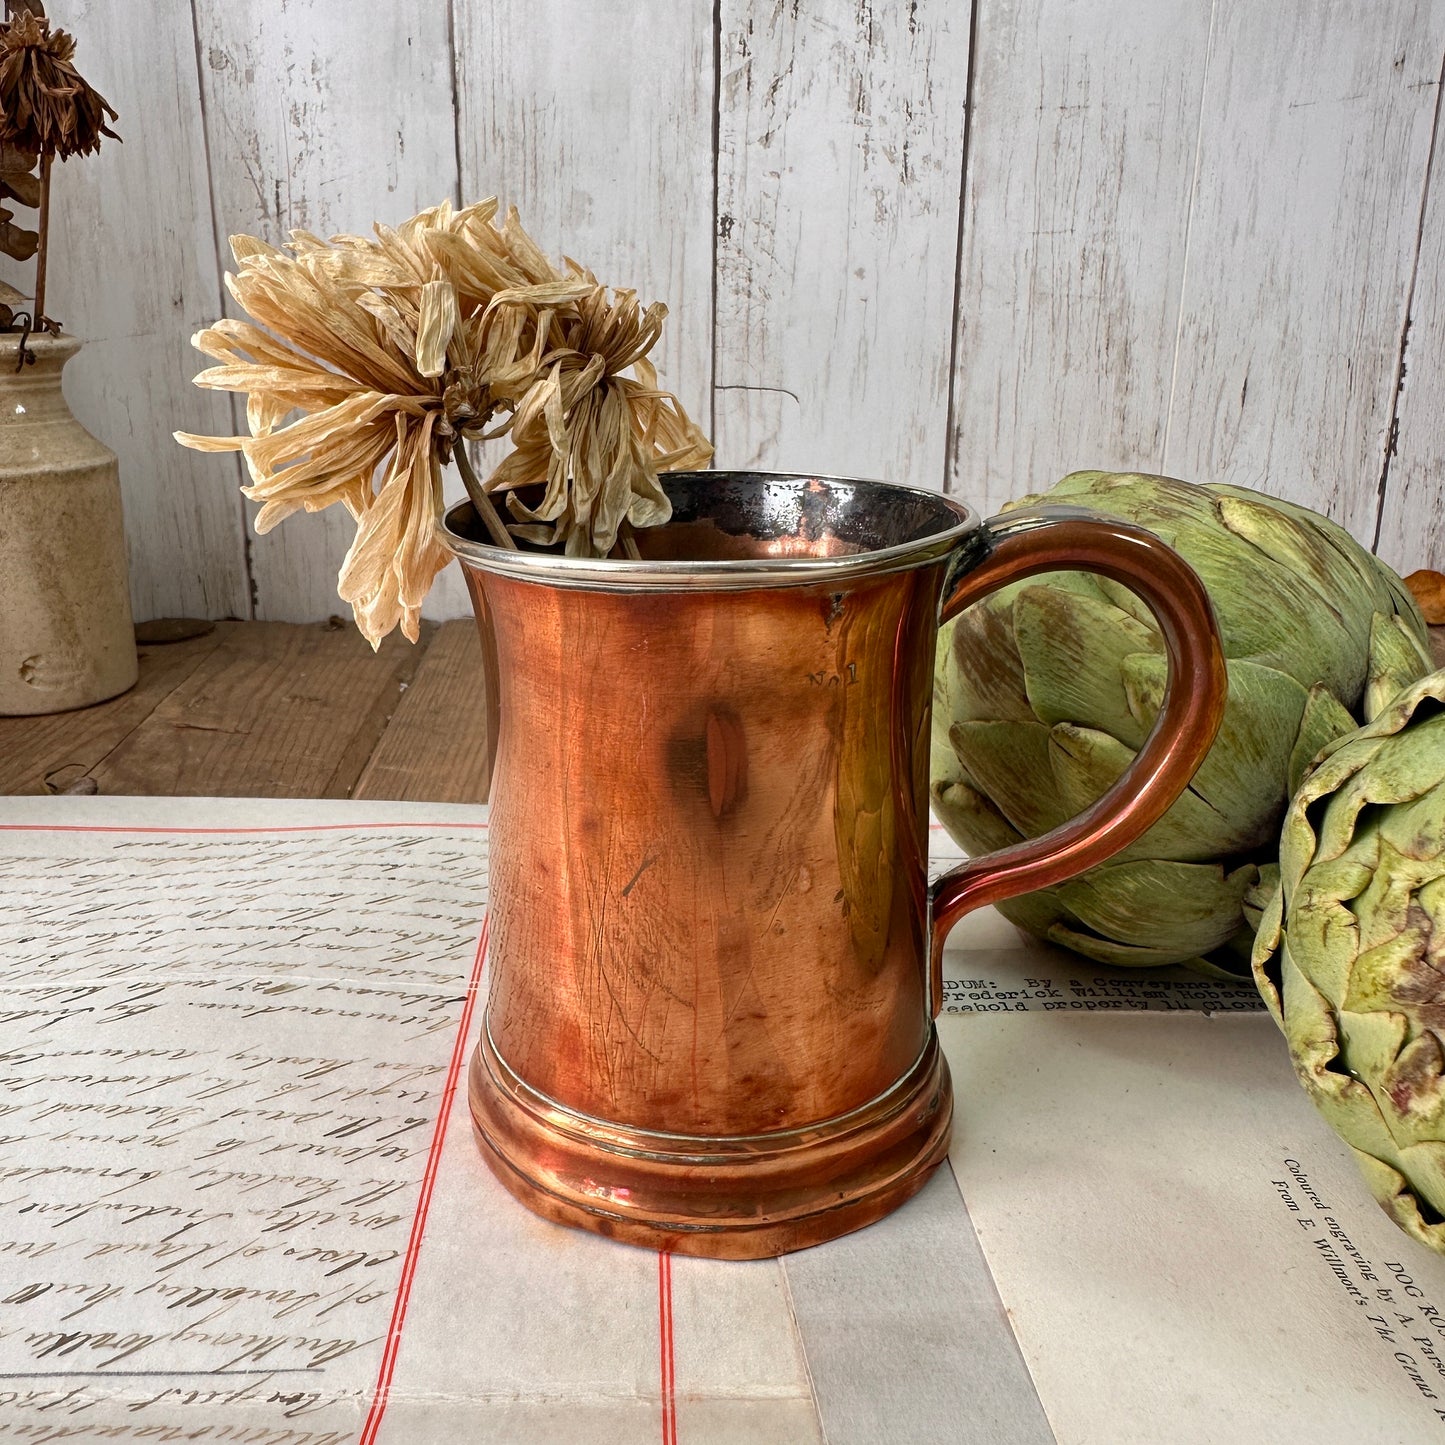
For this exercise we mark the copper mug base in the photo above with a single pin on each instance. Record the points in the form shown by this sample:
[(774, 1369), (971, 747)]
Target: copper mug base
[(715, 957), (724, 1198)]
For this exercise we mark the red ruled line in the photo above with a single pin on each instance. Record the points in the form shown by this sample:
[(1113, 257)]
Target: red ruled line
[(664, 1347), (284, 828), (382, 1392)]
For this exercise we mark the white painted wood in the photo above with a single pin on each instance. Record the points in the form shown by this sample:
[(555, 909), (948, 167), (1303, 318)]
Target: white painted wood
[(133, 272), (840, 147), (1312, 151), (1412, 515), (1235, 186), (325, 118), (596, 123), (1081, 157)]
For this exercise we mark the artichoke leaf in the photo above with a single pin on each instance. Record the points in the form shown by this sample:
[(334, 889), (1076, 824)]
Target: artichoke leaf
[(1416, 830), (1423, 1163), (1432, 899), (1107, 951), (1243, 777), (1035, 913), (1406, 765), (1008, 761), (1259, 896), (1182, 908), (1397, 657), (981, 657), (1411, 1094), (1307, 552), (1367, 772), (1347, 1104), (1370, 1041), (1073, 647), (944, 767), (1392, 1190), (1384, 906), (1258, 605), (1394, 974), (1325, 719), (972, 819), (1086, 764), (1330, 940)]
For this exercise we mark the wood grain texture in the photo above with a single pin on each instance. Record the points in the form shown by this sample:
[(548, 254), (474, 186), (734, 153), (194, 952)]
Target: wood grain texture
[(273, 711), (1082, 141), (325, 119), (840, 147), (73, 744), (596, 123), (1314, 136), (1411, 528), (436, 747), (1189, 235), (133, 272)]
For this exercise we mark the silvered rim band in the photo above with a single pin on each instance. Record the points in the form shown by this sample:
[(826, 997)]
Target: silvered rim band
[(732, 575)]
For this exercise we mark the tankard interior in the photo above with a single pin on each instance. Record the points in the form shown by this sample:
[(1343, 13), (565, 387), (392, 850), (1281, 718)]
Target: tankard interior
[(766, 517)]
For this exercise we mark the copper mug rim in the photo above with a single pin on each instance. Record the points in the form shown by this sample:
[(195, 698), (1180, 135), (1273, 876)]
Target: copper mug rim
[(952, 521)]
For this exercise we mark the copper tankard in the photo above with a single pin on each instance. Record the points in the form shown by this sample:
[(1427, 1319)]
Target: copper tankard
[(715, 958)]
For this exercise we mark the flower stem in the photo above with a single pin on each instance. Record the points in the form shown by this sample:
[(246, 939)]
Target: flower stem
[(44, 248), (481, 502), (629, 541)]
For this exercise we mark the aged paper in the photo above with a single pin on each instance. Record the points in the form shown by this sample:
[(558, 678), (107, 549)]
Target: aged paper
[(1186, 1249), (239, 1200), (223, 1053)]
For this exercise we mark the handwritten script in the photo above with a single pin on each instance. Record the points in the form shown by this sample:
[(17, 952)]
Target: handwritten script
[(221, 1058)]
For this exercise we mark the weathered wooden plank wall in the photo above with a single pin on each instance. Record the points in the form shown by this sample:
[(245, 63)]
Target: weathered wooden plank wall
[(840, 148), (304, 131), (971, 246), (133, 269), (596, 123)]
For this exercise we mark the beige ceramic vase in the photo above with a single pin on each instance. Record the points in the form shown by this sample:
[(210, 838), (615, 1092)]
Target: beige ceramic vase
[(66, 638)]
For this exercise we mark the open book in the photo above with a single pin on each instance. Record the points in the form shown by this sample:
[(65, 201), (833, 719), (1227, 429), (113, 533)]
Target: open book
[(239, 1200)]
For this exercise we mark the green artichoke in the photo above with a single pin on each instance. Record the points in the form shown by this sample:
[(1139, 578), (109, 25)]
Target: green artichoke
[(1350, 955), (1044, 692)]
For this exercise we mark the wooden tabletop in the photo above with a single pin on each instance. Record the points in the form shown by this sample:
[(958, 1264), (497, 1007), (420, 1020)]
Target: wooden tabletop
[(273, 709)]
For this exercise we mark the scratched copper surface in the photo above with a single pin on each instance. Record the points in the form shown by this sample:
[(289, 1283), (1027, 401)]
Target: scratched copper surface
[(709, 1018)]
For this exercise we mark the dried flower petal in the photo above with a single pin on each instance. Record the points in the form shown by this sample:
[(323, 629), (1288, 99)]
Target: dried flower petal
[(435, 323)]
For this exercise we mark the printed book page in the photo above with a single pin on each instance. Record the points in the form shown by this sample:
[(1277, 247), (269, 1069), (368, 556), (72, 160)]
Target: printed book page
[(1186, 1249)]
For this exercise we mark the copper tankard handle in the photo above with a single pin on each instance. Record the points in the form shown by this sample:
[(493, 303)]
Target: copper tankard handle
[(1054, 539)]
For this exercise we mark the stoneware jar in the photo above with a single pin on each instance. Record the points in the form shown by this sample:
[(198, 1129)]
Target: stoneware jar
[(66, 638)]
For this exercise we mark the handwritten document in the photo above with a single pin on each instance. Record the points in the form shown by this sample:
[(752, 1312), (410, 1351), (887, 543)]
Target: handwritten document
[(220, 1061), (239, 1200)]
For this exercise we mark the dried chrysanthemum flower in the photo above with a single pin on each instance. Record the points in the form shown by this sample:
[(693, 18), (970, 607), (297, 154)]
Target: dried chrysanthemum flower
[(46, 106), (602, 469), (48, 112), (396, 348)]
